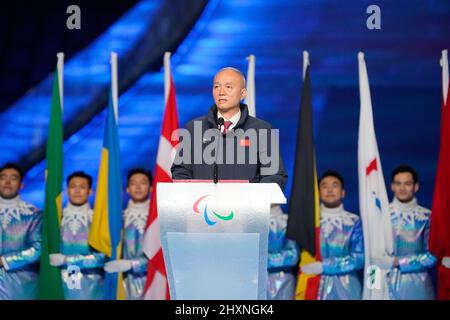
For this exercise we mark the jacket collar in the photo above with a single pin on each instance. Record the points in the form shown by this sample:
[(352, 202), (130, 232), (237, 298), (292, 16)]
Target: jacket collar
[(10, 202), (333, 211), (212, 116), (404, 206)]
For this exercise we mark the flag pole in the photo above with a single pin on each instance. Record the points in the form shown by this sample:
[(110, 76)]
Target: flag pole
[(445, 81), (114, 86), (167, 73), (60, 65), (305, 62), (250, 99)]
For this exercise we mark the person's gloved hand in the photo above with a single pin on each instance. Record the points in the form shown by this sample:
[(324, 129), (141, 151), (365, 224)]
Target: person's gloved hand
[(118, 266), (446, 262), (384, 262), (57, 259), (312, 268)]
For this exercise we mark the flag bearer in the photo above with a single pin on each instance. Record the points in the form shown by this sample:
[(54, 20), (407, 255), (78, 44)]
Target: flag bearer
[(134, 262), (81, 266), (20, 238), (341, 244), (409, 277)]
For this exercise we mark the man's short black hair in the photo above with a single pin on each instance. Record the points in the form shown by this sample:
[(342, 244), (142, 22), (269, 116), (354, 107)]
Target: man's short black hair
[(332, 173), (134, 171), (15, 166), (405, 168), (80, 174)]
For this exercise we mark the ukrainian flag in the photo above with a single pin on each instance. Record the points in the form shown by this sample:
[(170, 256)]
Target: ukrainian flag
[(106, 227)]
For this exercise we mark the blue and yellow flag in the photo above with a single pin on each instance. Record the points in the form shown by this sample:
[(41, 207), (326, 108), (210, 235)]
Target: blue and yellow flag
[(106, 228)]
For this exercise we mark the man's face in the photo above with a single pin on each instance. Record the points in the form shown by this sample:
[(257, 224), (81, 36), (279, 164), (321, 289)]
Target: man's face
[(78, 191), (404, 187), (139, 187), (228, 90), (10, 183), (331, 192)]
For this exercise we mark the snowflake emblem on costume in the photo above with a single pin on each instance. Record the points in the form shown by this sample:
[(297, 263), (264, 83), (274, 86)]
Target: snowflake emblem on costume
[(74, 220), (402, 219), (406, 218), (409, 218), (137, 217), (329, 223), (8, 214), (422, 214)]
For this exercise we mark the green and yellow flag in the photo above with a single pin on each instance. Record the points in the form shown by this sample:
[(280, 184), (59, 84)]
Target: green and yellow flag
[(50, 283)]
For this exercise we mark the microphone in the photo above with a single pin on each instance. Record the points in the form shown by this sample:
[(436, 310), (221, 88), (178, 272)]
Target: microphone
[(220, 123)]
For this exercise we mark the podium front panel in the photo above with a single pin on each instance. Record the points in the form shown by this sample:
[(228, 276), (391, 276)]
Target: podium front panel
[(227, 222), (213, 259)]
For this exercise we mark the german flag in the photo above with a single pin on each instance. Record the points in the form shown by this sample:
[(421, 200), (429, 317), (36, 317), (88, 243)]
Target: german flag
[(304, 218)]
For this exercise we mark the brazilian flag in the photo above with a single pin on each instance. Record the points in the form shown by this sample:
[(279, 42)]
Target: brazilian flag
[(50, 283)]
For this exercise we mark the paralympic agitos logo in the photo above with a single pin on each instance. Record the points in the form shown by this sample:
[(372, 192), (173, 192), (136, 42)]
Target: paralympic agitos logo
[(207, 214)]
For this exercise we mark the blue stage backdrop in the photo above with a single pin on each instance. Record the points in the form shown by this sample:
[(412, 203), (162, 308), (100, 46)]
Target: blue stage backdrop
[(402, 60)]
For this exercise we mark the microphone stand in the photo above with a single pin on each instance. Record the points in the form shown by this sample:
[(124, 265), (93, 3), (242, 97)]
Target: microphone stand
[(220, 123)]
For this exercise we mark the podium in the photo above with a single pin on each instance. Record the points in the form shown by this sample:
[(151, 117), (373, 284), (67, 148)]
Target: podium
[(215, 238)]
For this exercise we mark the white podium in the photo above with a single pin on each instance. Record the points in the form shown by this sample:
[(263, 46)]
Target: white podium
[(215, 238)]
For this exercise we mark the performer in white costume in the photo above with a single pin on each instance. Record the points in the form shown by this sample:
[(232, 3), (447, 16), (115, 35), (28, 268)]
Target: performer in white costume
[(409, 277), (341, 244), (134, 262), (79, 262), (20, 238)]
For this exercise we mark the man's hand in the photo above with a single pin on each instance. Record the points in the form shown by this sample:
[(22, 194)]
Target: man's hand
[(312, 268), (385, 262), (446, 262), (57, 259), (118, 266)]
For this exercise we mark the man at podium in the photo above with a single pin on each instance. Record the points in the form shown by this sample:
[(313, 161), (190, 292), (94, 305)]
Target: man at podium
[(228, 143)]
